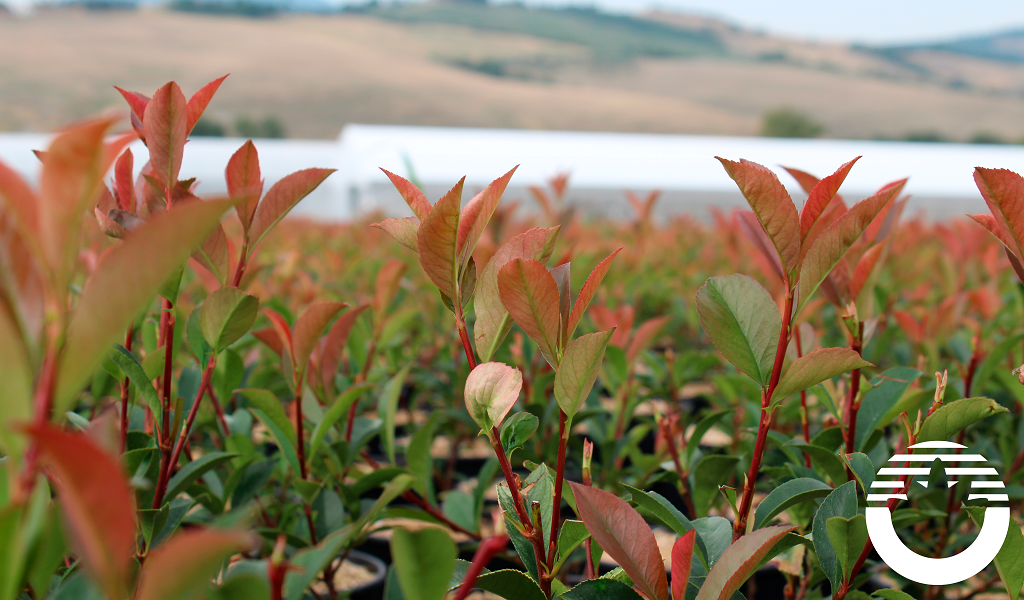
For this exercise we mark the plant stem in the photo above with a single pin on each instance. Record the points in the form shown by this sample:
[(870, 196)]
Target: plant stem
[(740, 527), (128, 337), (556, 506), (186, 430), (164, 437), (484, 553), (460, 323), (852, 406), (684, 485), (804, 420), (242, 259)]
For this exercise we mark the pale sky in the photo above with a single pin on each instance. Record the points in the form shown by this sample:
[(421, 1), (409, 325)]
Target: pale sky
[(868, 21)]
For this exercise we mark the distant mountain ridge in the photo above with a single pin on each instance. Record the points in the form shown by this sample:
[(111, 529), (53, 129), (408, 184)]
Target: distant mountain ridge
[(1005, 46)]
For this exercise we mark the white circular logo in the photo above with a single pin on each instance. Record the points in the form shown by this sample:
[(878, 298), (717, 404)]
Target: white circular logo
[(985, 486)]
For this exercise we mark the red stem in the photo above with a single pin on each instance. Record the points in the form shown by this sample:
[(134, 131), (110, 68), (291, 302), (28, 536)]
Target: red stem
[(484, 553), (804, 420), (186, 430), (460, 323), (740, 527), (556, 506), (852, 406), (684, 486), (128, 337)]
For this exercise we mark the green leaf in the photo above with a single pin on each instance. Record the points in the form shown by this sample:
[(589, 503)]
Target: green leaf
[(417, 456), (893, 595), (1010, 559), (788, 494), (826, 460), (281, 436), (509, 584), (863, 469), (570, 536), (337, 410), (578, 370), (124, 284), (491, 390), (878, 401), (194, 470), (311, 561), (742, 321), (387, 407), (602, 589), (815, 367), (848, 538), (227, 315), (131, 368), (16, 392), (702, 427), (739, 561), (712, 471), (196, 341), (424, 561), (517, 430), (184, 565), (460, 508), (950, 419), (842, 502)]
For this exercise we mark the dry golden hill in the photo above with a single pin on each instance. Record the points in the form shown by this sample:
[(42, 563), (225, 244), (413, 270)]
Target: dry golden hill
[(316, 73)]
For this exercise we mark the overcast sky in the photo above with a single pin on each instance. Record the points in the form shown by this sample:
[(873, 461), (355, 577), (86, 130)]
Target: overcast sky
[(870, 21)]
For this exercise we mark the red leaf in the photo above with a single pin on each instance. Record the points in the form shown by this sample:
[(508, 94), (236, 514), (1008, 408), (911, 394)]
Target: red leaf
[(411, 194), (492, 322), (820, 196), (682, 555), (477, 213), (20, 201), (386, 287), (284, 334), (244, 181), (165, 125), (805, 179), (826, 251), (643, 337), (281, 198), (270, 337), (587, 293), (307, 331), (185, 564), (751, 227), (561, 273), (865, 266), (625, 536), (200, 100), (436, 241), (96, 501), (214, 255), (774, 208), (1003, 192), (137, 103), (124, 185), (530, 294), (333, 344), (739, 561), (403, 230)]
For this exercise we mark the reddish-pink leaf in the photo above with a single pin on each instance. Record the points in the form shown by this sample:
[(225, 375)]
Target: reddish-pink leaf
[(307, 331), (411, 194), (477, 213), (165, 124), (96, 501), (284, 333), (214, 255), (403, 230), (124, 184), (805, 179), (244, 181), (682, 555), (836, 285), (492, 320), (625, 536), (137, 103), (833, 243), (751, 227), (1003, 191), (530, 295), (281, 198), (20, 201), (333, 344), (865, 266), (773, 206), (200, 100), (386, 286), (561, 273), (739, 561), (820, 196), (186, 563), (644, 336), (72, 175), (270, 337), (125, 282), (436, 241), (587, 293)]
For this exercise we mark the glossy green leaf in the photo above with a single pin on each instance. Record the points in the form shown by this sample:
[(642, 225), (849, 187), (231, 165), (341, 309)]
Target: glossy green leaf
[(130, 366), (952, 418), (815, 367), (335, 413), (848, 538), (893, 595), (570, 536), (710, 472), (194, 470), (424, 561), (1010, 559), (271, 407), (788, 494), (387, 407), (16, 392), (602, 589), (842, 502), (578, 370), (877, 402), (517, 430), (742, 321), (226, 315)]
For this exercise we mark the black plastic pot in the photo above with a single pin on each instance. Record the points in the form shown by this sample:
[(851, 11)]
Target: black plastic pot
[(371, 590)]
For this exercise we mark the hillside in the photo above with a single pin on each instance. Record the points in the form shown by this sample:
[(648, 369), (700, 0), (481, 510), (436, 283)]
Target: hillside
[(504, 66)]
